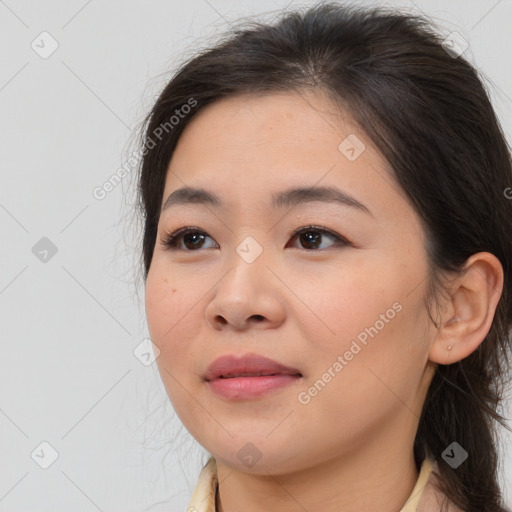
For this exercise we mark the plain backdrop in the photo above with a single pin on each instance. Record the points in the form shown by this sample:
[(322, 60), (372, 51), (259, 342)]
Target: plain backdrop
[(85, 423)]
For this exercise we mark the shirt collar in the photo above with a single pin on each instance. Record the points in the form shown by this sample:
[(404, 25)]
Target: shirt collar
[(203, 496)]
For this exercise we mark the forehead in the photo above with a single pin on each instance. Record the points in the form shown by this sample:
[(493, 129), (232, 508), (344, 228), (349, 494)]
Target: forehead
[(261, 132), (247, 147), (270, 120)]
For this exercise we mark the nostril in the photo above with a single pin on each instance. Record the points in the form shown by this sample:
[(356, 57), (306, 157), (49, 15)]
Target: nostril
[(259, 318), (221, 320)]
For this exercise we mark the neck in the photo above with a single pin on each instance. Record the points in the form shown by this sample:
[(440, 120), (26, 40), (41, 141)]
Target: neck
[(366, 479)]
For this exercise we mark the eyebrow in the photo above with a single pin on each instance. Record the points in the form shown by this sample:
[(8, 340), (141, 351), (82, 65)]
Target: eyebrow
[(290, 197)]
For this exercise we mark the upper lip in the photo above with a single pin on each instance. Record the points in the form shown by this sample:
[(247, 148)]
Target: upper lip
[(247, 364)]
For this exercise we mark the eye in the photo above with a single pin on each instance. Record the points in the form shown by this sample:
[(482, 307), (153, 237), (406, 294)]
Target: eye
[(311, 237), (191, 239)]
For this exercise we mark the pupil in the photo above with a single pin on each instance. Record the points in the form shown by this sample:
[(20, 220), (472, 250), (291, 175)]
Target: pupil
[(313, 238), (190, 236)]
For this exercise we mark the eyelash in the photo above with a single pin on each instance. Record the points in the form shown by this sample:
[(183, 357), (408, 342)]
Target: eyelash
[(170, 241)]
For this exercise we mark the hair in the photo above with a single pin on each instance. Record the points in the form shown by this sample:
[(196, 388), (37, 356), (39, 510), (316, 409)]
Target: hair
[(429, 115)]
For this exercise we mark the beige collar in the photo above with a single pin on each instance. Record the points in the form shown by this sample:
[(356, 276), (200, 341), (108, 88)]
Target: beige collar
[(203, 496)]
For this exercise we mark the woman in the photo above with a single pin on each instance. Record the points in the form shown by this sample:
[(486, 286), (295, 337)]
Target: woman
[(327, 259)]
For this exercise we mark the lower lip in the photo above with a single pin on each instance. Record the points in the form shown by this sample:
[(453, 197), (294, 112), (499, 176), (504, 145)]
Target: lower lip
[(240, 388)]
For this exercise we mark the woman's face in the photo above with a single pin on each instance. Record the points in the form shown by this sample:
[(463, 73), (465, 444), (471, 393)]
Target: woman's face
[(348, 315)]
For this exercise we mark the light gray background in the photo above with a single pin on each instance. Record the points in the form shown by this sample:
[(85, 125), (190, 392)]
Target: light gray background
[(68, 374)]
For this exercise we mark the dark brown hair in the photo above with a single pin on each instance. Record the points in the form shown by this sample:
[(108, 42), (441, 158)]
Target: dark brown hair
[(430, 116)]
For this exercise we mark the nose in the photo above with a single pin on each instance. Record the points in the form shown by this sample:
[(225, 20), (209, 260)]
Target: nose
[(246, 297)]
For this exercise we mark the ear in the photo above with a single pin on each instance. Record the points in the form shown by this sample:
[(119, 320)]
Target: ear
[(469, 312)]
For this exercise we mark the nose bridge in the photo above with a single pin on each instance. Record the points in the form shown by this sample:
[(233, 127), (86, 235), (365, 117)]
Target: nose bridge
[(248, 265), (245, 294), (250, 250)]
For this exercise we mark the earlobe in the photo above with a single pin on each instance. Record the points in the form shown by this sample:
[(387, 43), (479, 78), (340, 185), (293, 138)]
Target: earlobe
[(470, 309)]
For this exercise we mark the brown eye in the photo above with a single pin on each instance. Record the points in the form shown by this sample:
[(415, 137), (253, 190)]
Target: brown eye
[(311, 237), (192, 239)]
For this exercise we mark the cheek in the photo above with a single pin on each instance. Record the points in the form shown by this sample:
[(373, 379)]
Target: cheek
[(175, 302), (172, 328), (168, 302), (372, 378), (368, 317), (157, 300), (341, 302)]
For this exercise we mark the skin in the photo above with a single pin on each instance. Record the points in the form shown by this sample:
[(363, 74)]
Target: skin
[(351, 447)]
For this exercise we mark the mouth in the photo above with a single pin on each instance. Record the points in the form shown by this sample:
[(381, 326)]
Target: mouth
[(255, 374), (249, 376), (251, 386), (232, 366)]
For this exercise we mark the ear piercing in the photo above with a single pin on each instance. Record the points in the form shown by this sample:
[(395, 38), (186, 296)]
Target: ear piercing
[(450, 322)]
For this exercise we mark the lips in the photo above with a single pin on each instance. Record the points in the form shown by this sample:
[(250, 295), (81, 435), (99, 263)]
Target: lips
[(247, 365)]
